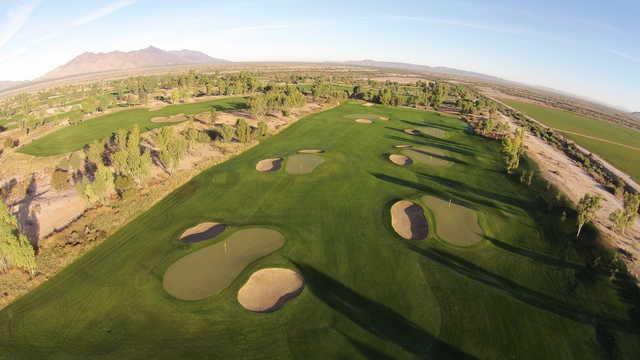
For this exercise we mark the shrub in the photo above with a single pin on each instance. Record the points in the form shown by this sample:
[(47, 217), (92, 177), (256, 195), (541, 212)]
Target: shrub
[(124, 186), (60, 179)]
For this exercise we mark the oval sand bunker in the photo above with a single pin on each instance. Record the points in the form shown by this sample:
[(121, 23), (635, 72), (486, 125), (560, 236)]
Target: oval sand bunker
[(363, 121), (402, 146), (407, 219), (400, 160), (300, 164), (412, 131), (310, 151), (208, 271), (203, 231), (269, 164), (269, 289)]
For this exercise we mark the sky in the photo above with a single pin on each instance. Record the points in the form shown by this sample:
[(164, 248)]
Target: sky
[(589, 47)]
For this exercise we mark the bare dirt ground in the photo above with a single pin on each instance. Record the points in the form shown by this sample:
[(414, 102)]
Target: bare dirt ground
[(574, 183)]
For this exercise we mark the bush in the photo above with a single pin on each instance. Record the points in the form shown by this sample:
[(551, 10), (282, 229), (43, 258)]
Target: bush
[(124, 186), (60, 179)]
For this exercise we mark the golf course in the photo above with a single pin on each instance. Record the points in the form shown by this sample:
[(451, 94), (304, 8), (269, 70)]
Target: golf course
[(496, 272), (73, 138)]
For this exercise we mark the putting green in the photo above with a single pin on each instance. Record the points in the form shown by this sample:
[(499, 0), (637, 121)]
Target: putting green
[(208, 271), (435, 132), (455, 224), (301, 164), (430, 156)]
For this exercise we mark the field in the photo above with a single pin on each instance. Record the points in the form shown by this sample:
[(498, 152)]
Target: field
[(75, 137), (615, 143), (522, 292)]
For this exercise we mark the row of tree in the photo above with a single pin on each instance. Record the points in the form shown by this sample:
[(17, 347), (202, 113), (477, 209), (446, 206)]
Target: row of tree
[(15, 249)]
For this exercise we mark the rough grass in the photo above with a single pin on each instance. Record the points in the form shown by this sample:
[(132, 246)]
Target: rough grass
[(75, 137), (523, 292), (595, 135)]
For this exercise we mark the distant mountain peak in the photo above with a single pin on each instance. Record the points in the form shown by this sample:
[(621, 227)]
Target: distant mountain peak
[(89, 62)]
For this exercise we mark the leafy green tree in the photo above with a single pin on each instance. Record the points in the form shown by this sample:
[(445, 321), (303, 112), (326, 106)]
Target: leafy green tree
[(623, 218), (89, 105), (95, 151), (243, 131), (587, 208), (258, 106), (513, 149), (128, 160), (262, 129), (213, 115), (172, 148), (76, 161), (15, 249), (227, 132), (60, 179), (438, 93)]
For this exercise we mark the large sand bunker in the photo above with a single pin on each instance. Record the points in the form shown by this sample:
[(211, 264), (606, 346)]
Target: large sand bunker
[(363, 121), (269, 164), (400, 160), (169, 119), (407, 219), (300, 164), (310, 151), (203, 231), (208, 271), (455, 223), (432, 157), (412, 131), (269, 289)]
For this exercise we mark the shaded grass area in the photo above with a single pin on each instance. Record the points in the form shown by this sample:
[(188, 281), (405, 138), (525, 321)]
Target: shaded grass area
[(75, 137), (525, 291), (572, 125)]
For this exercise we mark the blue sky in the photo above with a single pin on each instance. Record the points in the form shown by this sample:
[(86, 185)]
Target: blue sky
[(587, 47)]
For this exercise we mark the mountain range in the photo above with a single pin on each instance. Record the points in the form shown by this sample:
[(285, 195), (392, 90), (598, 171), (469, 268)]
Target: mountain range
[(119, 60)]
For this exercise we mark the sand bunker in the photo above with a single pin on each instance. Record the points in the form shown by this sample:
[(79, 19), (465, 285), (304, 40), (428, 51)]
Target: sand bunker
[(412, 131), (203, 231), (401, 160), (407, 219), (300, 164), (435, 132), (165, 119), (432, 157), (367, 104), (363, 121), (269, 164), (310, 151), (455, 224), (383, 118), (269, 289), (402, 146), (209, 270)]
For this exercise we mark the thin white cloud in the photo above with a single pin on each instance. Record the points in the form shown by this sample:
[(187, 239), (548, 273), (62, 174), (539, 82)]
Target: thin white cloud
[(15, 20), (623, 55), (103, 11), (450, 22)]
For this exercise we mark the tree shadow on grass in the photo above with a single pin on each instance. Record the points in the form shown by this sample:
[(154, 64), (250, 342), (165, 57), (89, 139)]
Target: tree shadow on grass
[(377, 318), (528, 296), (431, 124), (439, 156), (428, 140)]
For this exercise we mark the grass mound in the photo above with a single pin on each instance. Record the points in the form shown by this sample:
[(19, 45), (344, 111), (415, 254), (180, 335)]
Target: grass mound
[(455, 224), (301, 164), (203, 231), (269, 289), (208, 271)]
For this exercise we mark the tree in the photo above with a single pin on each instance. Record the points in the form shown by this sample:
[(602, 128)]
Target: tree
[(15, 249), (213, 115), (513, 148), (128, 160), (258, 106), (172, 148), (227, 132), (262, 129), (587, 208), (89, 105), (60, 179), (95, 152), (438, 92), (624, 217), (76, 161), (243, 131)]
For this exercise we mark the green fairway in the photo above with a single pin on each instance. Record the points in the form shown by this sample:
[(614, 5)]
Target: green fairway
[(73, 138), (522, 292), (615, 143)]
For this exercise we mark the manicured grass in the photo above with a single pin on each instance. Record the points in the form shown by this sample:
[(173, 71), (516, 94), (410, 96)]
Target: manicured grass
[(523, 292), (600, 137), (75, 137)]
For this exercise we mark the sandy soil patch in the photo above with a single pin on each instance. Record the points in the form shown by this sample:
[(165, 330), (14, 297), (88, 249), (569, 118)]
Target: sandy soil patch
[(407, 219), (202, 231), (208, 271), (269, 164), (455, 224), (310, 151), (411, 131), (301, 164), (169, 119), (269, 289), (363, 121), (400, 160)]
